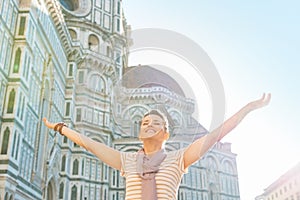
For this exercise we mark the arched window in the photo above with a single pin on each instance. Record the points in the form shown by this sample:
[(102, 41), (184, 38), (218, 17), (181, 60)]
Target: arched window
[(22, 109), (50, 191), (177, 121), (17, 61), (82, 168), (17, 153), (13, 145), (6, 196), (80, 77), (119, 8), (63, 163), (71, 5), (5, 141), (136, 127), (212, 164), (75, 167), (11, 101), (22, 26), (212, 192), (114, 178), (74, 193), (105, 194), (97, 83), (61, 191), (228, 168), (78, 114), (73, 34), (108, 51), (70, 69), (93, 43)]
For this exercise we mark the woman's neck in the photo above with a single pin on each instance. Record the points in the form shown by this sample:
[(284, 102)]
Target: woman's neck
[(150, 148)]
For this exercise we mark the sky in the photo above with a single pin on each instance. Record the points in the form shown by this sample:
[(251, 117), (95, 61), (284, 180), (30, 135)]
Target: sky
[(255, 48)]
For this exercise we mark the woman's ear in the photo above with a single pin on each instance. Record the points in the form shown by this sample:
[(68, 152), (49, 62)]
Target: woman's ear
[(167, 135)]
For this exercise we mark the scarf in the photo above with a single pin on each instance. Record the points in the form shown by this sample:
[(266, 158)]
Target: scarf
[(147, 167)]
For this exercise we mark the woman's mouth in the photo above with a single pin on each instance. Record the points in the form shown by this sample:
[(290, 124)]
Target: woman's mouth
[(150, 131)]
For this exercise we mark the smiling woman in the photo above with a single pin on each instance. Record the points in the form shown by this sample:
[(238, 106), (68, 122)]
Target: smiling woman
[(152, 173)]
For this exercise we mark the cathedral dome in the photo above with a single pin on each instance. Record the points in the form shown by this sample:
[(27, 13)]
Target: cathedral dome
[(144, 76)]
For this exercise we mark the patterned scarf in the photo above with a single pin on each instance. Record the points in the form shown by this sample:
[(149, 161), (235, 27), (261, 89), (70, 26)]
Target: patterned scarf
[(147, 167)]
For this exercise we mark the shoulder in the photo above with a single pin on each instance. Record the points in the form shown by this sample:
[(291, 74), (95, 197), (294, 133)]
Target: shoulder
[(176, 154), (128, 155), (128, 162), (175, 160)]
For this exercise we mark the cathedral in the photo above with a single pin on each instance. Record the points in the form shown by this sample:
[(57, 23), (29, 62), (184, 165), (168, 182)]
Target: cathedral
[(67, 60)]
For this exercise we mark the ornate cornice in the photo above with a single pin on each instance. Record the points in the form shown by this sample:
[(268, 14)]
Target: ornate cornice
[(55, 12), (157, 94)]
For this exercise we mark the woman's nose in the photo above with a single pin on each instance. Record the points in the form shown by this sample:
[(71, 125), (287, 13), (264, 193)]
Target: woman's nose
[(149, 125)]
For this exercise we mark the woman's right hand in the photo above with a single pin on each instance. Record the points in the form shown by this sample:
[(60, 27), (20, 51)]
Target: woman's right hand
[(48, 124)]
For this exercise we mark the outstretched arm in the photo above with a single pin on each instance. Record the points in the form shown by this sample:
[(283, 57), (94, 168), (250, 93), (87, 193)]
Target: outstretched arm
[(199, 147), (107, 154)]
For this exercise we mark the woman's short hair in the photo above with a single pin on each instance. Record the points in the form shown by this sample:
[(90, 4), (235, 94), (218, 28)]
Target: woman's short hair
[(161, 115)]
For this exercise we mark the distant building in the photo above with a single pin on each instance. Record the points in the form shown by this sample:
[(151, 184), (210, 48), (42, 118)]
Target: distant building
[(286, 187), (67, 60)]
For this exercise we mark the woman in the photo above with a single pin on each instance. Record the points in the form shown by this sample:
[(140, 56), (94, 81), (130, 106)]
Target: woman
[(151, 173)]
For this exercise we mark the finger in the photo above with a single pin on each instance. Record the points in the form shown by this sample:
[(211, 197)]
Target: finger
[(44, 119), (268, 98), (263, 96)]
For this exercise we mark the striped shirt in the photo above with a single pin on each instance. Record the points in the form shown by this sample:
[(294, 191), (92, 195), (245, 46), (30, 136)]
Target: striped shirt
[(167, 178)]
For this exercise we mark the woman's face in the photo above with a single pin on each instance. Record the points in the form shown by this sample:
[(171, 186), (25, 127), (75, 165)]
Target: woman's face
[(151, 125)]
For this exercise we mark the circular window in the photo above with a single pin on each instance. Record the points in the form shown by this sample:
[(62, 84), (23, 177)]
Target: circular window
[(79, 8), (70, 5)]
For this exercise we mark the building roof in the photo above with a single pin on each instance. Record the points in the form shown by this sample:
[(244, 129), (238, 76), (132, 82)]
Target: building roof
[(284, 178), (144, 76)]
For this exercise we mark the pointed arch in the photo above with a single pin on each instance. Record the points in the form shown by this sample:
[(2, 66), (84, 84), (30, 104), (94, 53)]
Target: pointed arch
[(61, 190), (133, 148), (93, 43), (108, 51), (11, 101), (63, 163), (6, 196), (134, 111), (212, 163), (51, 191), (228, 167), (74, 193), (136, 126), (177, 118), (97, 83), (17, 61), (14, 144), (5, 141), (213, 192), (73, 34), (75, 167)]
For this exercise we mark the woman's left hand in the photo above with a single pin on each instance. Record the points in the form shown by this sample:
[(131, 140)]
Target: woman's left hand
[(263, 101)]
